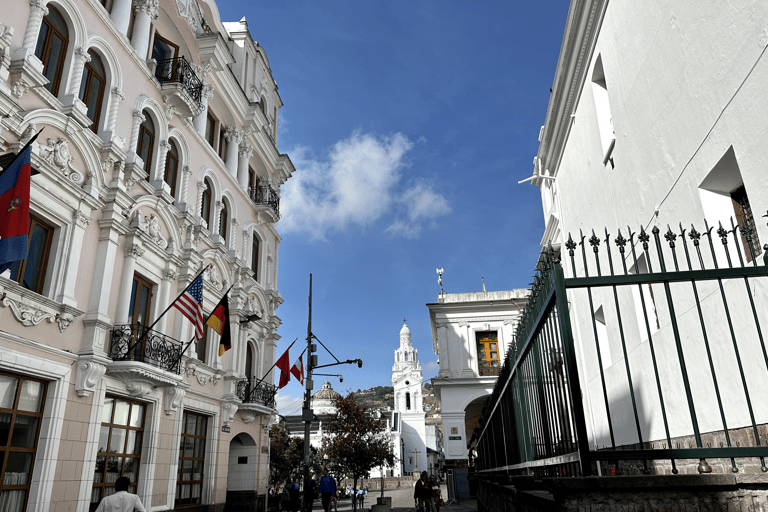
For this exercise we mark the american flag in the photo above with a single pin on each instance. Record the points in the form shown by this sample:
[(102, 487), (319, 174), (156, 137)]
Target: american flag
[(191, 305)]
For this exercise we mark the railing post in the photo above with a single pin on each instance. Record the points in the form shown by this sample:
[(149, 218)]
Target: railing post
[(571, 370)]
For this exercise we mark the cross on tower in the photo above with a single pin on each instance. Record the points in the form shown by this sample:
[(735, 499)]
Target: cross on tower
[(415, 453)]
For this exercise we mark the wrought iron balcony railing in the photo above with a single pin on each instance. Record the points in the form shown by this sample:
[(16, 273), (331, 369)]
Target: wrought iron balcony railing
[(256, 393), (265, 195), (178, 71), (153, 348)]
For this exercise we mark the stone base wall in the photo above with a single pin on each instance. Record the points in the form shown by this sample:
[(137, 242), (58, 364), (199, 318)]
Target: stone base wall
[(391, 482), (678, 493)]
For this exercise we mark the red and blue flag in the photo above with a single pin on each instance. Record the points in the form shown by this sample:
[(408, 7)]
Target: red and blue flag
[(14, 210)]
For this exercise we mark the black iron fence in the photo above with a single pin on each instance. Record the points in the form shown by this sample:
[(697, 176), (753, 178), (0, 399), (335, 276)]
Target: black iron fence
[(179, 71), (650, 357), (251, 392), (265, 195), (137, 343)]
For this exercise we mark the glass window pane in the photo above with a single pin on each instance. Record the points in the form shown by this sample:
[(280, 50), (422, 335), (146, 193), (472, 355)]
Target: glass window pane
[(493, 346), (13, 500), (121, 413), (198, 472), (8, 387), (93, 97), (106, 413), (113, 470), (17, 471), (186, 470), (191, 424), (98, 472), (133, 300), (137, 415), (117, 443), (201, 425), (38, 236), (133, 446), (57, 45), (196, 492), (44, 28), (24, 432), (5, 428), (83, 84), (95, 495), (200, 448), (189, 446), (130, 468), (103, 438), (31, 394)]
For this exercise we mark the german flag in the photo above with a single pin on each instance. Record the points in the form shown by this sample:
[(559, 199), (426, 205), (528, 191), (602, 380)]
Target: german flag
[(219, 322)]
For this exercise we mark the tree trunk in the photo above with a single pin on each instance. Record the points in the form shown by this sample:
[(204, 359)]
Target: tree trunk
[(354, 494)]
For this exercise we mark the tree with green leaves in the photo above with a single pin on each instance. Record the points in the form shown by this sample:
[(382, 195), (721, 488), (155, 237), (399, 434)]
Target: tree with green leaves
[(287, 455), (355, 442)]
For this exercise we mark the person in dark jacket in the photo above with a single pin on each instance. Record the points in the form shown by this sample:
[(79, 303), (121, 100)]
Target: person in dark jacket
[(327, 490), (423, 493)]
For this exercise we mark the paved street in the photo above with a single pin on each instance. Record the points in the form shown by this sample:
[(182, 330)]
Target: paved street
[(402, 501)]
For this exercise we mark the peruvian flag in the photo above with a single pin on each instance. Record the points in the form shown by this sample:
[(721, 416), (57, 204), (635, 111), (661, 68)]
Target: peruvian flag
[(284, 365), (14, 210), (298, 369)]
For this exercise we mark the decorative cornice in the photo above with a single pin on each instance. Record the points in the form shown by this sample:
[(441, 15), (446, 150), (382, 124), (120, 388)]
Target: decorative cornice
[(82, 219), (150, 7), (90, 370), (134, 251)]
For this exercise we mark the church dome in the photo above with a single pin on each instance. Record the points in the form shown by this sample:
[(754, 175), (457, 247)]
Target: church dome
[(326, 392), (405, 330)]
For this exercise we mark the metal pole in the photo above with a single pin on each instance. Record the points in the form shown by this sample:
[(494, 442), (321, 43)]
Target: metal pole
[(307, 413)]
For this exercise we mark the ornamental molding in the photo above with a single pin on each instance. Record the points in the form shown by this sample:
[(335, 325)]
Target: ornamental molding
[(140, 378), (56, 153), (170, 275), (134, 251), (31, 315), (82, 219), (174, 396), (248, 416), (90, 371), (228, 411), (203, 375), (150, 226), (150, 7)]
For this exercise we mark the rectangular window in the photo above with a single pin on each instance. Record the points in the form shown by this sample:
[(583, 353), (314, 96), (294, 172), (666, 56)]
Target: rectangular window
[(30, 273), (189, 485), (255, 257), (201, 344), (210, 130), (253, 178), (141, 301), (21, 412), (488, 360), (119, 451), (163, 49)]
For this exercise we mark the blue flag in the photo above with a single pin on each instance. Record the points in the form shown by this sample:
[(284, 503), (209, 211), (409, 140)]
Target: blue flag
[(14, 210)]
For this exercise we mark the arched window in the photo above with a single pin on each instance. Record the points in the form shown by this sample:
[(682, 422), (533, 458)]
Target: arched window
[(51, 48), (92, 88), (146, 141), (172, 167), (407, 401), (223, 220), (263, 105), (249, 363), (205, 208)]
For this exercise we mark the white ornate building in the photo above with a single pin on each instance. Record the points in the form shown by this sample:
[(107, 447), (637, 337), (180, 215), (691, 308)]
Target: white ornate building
[(471, 333), (157, 159)]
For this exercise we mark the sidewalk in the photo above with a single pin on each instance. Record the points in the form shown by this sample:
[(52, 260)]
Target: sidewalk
[(402, 501)]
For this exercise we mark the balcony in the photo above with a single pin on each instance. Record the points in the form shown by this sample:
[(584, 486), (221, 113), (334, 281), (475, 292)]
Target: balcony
[(265, 196), (181, 86), (154, 348), (262, 394)]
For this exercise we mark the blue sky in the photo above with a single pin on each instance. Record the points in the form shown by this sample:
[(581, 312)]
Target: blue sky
[(409, 124)]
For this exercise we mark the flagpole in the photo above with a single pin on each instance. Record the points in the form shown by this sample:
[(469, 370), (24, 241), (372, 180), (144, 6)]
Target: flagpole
[(146, 331), (193, 336), (23, 149)]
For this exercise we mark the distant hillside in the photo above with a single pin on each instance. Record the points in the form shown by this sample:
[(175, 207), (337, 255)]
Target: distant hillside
[(382, 397)]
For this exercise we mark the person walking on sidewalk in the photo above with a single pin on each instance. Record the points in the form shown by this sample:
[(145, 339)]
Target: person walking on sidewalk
[(122, 500), (327, 490)]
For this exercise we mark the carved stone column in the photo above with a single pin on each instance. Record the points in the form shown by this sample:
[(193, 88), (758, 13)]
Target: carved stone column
[(216, 228), (245, 152), (442, 351), (80, 58), (201, 120), (121, 15), (133, 250), (67, 295), (138, 118), (233, 141), (231, 232), (186, 172), (116, 96), (146, 11), (37, 12), (199, 201), (163, 292), (158, 174)]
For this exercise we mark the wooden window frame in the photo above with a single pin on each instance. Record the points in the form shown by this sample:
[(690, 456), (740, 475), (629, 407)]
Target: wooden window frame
[(170, 158), (14, 411), (111, 425), (166, 41), (223, 220), (88, 74), (201, 345), (210, 129), (196, 437), (205, 206), (223, 144), (140, 146), (136, 299), (48, 245), (46, 51)]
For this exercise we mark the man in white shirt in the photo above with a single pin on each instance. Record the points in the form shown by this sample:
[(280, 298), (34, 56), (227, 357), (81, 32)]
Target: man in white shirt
[(121, 501)]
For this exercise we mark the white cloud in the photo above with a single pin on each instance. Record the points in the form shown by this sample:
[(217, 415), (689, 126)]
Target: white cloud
[(431, 365), (358, 184), (288, 404)]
